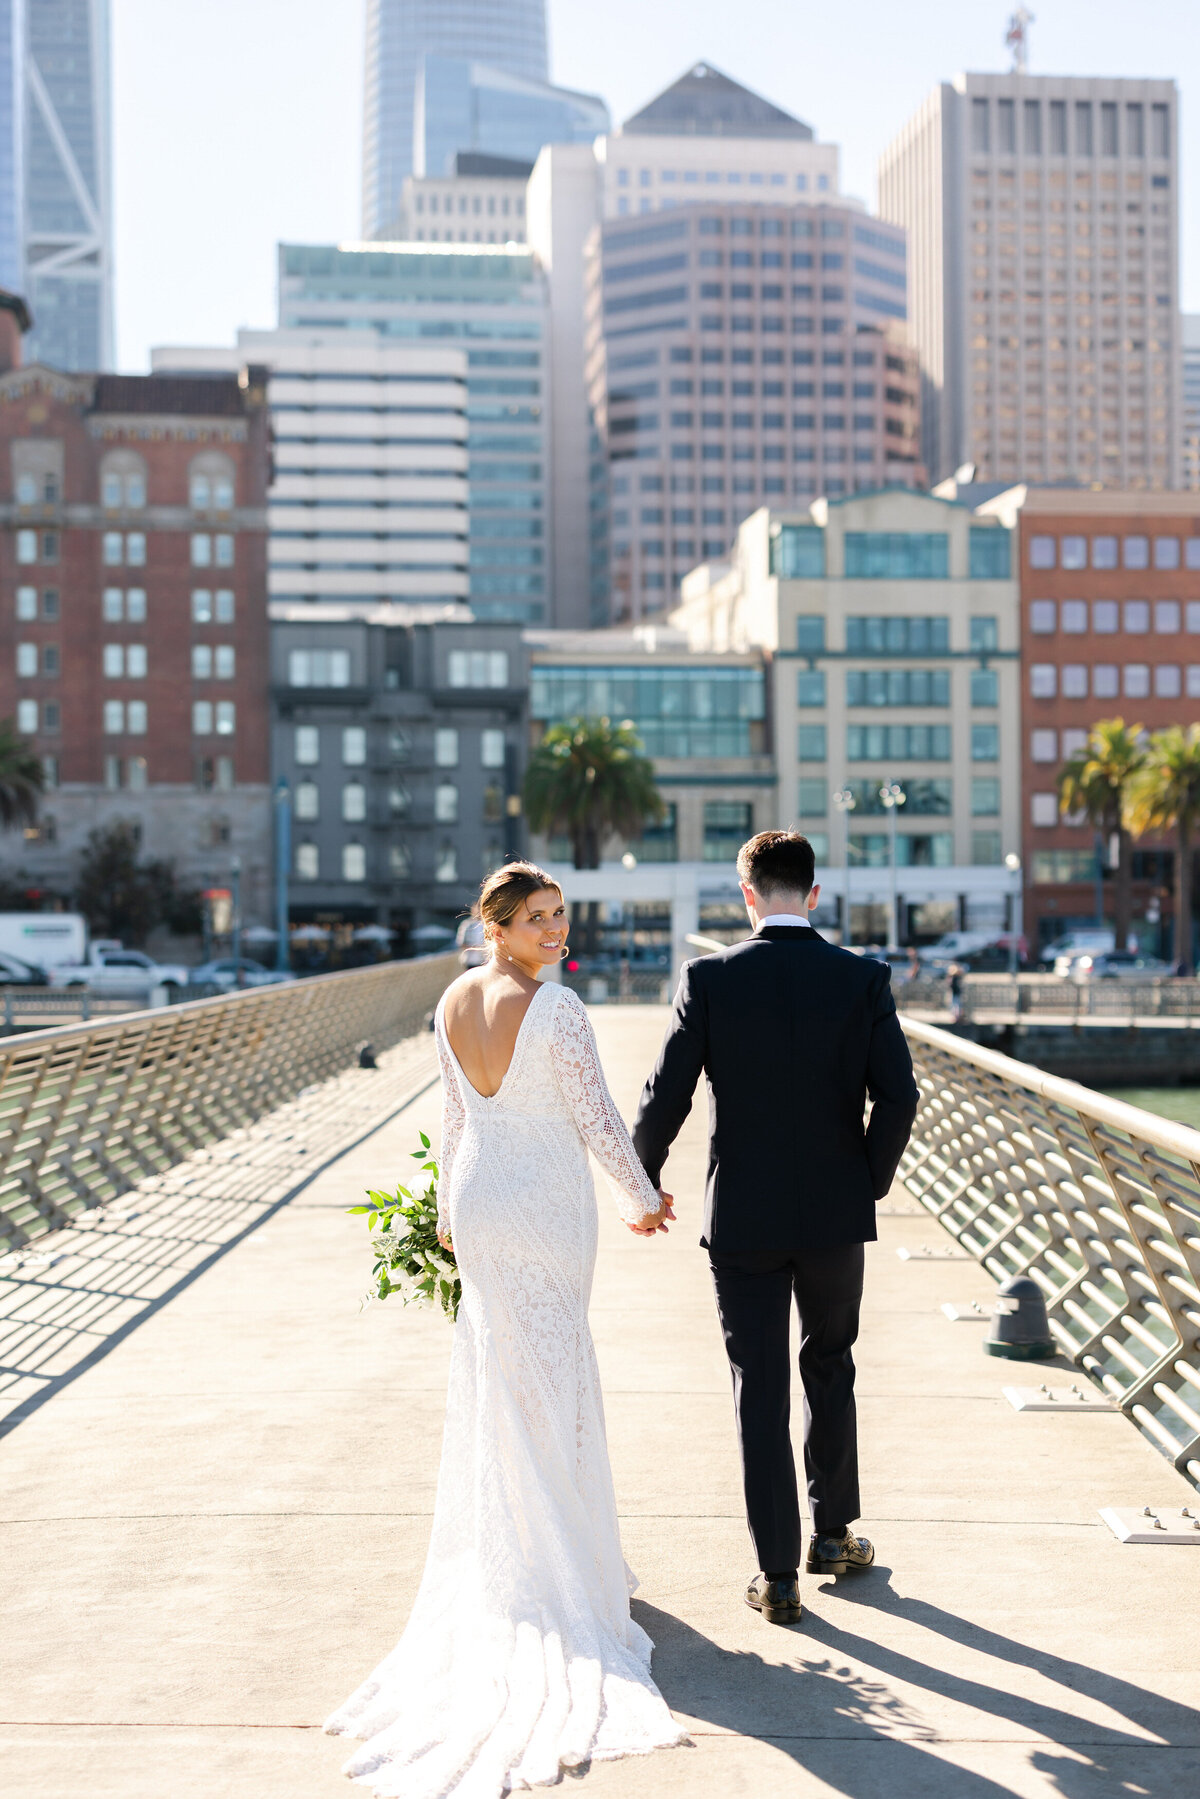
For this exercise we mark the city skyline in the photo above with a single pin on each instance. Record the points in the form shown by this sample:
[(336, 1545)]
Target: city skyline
[(301, 136)]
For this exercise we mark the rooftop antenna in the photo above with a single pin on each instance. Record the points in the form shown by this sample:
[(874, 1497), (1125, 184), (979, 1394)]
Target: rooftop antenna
[(1016, 39)]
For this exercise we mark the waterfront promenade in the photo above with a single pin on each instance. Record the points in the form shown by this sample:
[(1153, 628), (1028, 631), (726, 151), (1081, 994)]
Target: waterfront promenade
[(215, 1528)]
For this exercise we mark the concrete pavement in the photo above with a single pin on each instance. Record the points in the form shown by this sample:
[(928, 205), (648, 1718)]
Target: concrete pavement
[(213, 1532)]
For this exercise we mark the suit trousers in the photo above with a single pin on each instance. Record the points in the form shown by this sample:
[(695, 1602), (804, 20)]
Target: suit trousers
[(754, 1299)]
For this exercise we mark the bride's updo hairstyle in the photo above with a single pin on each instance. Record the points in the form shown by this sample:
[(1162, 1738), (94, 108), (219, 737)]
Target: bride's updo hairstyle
[(506, 890)]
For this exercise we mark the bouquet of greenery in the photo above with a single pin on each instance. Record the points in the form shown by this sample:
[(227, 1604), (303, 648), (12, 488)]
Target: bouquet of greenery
[(409, 1260)]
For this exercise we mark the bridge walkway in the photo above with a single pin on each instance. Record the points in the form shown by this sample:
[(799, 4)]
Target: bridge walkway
[(213, 1524)]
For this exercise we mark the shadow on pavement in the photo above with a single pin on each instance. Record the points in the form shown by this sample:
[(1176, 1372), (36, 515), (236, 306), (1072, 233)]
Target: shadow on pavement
[(813, 1708)]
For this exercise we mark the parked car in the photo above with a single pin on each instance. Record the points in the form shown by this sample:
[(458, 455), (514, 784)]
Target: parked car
[(1077, 943), (17, 973), (1114, 965), (110, 968), (954, 945), (228, 973)]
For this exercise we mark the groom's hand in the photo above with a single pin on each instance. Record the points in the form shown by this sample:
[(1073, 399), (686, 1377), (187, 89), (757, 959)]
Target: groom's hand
[(653, 1222)]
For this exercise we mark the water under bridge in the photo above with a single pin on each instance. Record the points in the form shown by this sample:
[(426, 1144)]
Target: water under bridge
[(216, 1473)]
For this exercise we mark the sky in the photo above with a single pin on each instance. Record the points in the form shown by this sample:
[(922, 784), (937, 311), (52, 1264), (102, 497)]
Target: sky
[(237, 123)]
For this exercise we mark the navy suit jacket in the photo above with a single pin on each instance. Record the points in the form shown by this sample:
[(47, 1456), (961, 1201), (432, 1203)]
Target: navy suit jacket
[(793, 1035)]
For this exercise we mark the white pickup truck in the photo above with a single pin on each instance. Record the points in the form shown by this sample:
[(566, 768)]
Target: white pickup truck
[(110, 968)]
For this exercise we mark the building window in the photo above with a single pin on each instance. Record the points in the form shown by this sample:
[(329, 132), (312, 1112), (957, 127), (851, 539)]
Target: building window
[(307, 746), (1074, 681), (1137, 616), (491, 749), (224, 605), (445, 747), (318, 668), (1043, 809), (112, 548), (399, 861), (27, 716), (985, 743), (898, 636), (897, 555), (308, 800), (810, 687), (811, 743), (1053, 868), (1166, 552), (1043, 746), (27, 603), (1042, 617), (493, 803), (113, 661), (1105, 617), (1074, 552), (225, 662), (812, 797), (202, 607), (1166, 617), (984, 635), (202, 718), (1137, 681), (727, 825), (810, 634), (798, 552), (1167, 681), (985, 849), (114, 718), (478, 668), (1105, 681), (898, 687), (201, 549), (27, 660), (1043, 680), (1104, 552), (135, 549), (201, 661), (1042, 552), (446, 864), (445, 803), (989, 556), (399, 800), (354, 802), (354, 862), (135, 661), (985, 796), (1074, 617), (223, 546), (308, 862), (1136, 552), (354, 746), (51, 716), (985, 687), (226, 718), (901, 743)]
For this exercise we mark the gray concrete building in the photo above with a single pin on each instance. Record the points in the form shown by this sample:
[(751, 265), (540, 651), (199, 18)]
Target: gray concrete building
[(401, 733), (1042, 214)]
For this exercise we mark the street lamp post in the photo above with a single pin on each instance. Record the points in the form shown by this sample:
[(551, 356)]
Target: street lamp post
[(235, 871), (845, 802), (1013, 864), (283, 868), (893, 797)]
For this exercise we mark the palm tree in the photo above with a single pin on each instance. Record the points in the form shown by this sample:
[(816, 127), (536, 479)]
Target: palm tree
[(1164, 796), (588, 779), (1096, 783), (21, 779)]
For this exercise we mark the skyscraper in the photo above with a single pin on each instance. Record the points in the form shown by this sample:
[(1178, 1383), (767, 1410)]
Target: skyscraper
[(1042, 221), (504, 34), (55, 205), (464, 106)]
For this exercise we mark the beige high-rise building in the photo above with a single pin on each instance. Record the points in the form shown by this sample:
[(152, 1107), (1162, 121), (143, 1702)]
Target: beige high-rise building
[(1043, 285)]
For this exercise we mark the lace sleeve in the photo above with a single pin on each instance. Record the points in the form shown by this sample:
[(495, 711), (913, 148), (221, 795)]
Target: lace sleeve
[(580, 1077), (452, 1123)]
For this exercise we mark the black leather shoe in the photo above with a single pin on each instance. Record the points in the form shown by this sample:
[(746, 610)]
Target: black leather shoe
[(834, 1555), (777, 1600)]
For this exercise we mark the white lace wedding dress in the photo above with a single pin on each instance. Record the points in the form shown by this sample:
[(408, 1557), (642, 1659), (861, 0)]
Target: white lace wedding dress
[(520, 1656)]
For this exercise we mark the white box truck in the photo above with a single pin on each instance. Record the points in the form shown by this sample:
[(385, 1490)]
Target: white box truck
[(46, 939)]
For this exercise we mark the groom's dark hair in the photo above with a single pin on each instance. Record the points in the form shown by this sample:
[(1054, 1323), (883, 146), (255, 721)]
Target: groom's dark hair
[(777, 862)]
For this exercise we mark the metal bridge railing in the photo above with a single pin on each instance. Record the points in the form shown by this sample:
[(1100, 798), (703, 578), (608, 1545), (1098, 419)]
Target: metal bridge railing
[(1054, 999), (1098, 1201), (89, 1109)]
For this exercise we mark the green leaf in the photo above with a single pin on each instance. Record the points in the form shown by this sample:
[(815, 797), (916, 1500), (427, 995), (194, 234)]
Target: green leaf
[(424, 1138)]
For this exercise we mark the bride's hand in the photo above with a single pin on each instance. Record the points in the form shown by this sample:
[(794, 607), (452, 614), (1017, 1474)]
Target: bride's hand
[(443, 1238), (651, 1223)]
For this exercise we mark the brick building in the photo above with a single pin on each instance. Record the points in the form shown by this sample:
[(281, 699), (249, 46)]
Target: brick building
[(1110, 627), (133, 617)]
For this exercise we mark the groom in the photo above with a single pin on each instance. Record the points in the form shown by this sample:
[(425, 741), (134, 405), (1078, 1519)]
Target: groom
[(793, 1034)]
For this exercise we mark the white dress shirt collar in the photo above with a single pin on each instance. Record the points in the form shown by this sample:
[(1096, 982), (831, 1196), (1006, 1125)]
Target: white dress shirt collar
[(785, 918)]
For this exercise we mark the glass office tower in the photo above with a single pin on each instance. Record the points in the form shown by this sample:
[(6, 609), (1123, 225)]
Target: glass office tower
[(55, 207), (463, 105), (504, 34), (491, 301)]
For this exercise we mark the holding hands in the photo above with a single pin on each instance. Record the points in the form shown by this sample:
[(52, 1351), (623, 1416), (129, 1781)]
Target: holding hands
[(653, 1222)]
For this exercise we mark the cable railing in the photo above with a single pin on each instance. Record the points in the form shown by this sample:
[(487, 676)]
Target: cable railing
[(87, 1110), (1098, 1201), (1052, 998)]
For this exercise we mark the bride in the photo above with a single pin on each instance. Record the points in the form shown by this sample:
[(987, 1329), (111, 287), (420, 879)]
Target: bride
[(520, 1657)]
